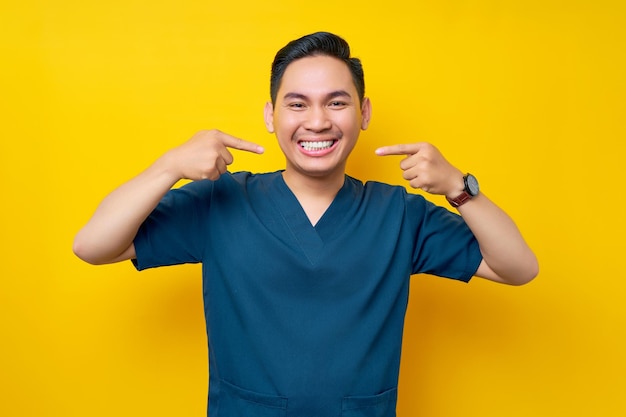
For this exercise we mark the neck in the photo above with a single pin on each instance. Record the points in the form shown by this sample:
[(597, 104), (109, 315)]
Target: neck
[(315, 194), (314, 186)]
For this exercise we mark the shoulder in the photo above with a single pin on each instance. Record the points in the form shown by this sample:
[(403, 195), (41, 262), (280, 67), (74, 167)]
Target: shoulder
[(380, 197), (383, 188), (397, 192), (246, 177), (240, 179), (415, 206)]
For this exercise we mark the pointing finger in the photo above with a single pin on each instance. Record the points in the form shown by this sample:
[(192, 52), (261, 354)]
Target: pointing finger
[(401, 149), (242, 145)]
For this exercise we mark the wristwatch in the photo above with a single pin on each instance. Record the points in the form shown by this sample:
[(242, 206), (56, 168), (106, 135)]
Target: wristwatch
[(471, 190)]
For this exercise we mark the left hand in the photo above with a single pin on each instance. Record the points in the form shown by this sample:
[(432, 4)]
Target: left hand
[(426, 168)]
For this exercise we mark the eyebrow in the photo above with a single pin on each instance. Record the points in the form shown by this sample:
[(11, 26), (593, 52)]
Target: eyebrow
[(329, 96)]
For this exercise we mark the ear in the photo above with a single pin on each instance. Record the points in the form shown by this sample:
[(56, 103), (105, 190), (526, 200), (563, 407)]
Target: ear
[(269, 116), (366, 113)]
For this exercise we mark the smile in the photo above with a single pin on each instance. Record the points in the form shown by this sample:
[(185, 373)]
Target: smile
[(316, 145)]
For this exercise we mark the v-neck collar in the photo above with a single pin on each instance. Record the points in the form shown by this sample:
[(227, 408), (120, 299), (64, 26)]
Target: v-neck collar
[(311, 238)]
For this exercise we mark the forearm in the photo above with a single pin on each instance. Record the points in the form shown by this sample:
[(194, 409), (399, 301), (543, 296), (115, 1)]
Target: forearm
[(504, 250), (109, 234), (507, 257)]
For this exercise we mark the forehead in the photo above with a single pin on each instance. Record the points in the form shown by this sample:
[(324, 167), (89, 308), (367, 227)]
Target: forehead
[(317, 74)]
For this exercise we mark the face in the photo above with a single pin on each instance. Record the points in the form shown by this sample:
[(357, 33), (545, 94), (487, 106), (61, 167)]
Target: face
[(317, 116)]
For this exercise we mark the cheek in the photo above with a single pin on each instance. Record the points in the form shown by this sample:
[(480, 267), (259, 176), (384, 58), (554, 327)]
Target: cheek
[(350, 125), (285, 124), (349, 119)]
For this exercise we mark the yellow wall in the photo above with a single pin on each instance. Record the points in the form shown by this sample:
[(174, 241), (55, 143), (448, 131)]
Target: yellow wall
[(526, 94)]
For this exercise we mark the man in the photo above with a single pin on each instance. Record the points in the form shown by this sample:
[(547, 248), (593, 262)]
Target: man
[(306, 270)]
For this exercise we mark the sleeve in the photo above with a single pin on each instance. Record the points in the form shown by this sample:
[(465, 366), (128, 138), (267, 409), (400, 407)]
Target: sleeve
[(444, 244), (172, 233)]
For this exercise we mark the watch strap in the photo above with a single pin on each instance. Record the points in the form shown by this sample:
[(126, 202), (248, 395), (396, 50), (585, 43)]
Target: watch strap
[(461, 199)]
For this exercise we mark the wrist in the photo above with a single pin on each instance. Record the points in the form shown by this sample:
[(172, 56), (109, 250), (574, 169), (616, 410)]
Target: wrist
[(469, 191), (457, 187), (165, 168)]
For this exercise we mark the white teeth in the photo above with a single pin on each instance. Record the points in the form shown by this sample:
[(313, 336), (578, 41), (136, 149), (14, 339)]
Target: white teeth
[(316, 146)]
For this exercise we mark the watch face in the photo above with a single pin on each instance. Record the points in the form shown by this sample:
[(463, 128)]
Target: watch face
[(471, 184)]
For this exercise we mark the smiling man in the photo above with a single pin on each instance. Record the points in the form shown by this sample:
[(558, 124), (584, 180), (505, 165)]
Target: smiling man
[(317, 115), (306, 270)]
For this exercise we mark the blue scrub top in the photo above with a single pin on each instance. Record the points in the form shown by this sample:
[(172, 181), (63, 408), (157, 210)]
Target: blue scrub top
[(304, 320)]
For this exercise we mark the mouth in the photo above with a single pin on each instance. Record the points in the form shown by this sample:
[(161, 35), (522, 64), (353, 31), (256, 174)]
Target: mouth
[(316, 146)]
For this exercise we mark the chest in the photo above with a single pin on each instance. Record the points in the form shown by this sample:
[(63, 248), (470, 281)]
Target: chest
[(273, 244)]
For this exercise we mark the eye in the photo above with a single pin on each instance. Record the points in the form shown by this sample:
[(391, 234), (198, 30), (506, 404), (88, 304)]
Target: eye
[(296, 105), (337, 104)]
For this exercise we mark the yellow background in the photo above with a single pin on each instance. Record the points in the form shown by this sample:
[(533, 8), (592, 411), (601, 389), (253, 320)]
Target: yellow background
[(528, 95)]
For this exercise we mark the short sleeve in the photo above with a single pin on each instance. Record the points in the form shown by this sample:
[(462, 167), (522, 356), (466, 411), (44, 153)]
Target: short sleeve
[(444, 244), (172, 234)]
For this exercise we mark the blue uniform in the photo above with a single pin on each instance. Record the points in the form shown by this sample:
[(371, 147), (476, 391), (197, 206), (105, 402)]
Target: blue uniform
[(304, 320)]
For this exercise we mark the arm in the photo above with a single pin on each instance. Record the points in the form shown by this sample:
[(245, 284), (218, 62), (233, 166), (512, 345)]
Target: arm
[(506, 256), (108, 236)]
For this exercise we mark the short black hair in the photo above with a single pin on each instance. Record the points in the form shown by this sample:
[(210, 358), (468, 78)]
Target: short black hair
[(315, 44)]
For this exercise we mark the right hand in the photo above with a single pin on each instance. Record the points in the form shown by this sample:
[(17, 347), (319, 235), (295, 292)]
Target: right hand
[(206, 155)]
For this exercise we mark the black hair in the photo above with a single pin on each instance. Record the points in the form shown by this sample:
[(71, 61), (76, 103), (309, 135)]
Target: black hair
[(315, 44)]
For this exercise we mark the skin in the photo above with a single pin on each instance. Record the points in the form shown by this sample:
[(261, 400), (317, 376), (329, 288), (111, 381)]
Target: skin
[(108, 236), (317, 101), (507, 258), (317, 104)]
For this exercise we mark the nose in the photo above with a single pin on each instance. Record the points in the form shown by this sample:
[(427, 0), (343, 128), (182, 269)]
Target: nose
[(317, 119)]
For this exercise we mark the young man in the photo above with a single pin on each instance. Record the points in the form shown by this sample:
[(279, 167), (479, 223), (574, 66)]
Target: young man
[(306, 270)]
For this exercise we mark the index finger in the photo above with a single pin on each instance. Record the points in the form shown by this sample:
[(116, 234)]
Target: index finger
[(240, 144), (400, 149)]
